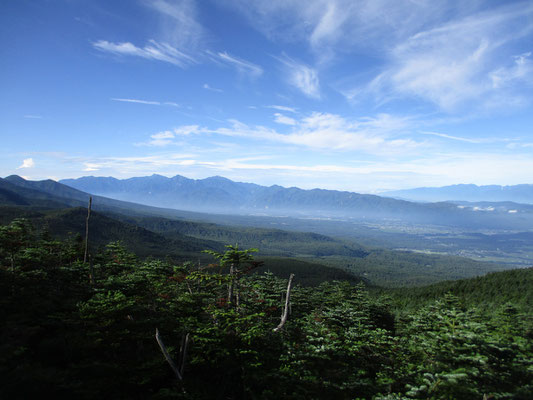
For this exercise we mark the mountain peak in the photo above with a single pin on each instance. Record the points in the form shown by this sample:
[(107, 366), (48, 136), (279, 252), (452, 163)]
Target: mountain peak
[(14, 178)]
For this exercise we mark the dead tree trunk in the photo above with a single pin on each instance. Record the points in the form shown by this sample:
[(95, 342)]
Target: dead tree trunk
[(178, 370), (86, 255), (285, 313), (230, 285), (183, 353), (87, 230)]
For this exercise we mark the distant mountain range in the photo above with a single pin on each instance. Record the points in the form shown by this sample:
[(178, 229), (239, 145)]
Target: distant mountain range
[(221, 195), (149, 231), (472, 193)]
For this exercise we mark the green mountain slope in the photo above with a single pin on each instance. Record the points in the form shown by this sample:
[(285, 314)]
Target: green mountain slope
[(492, 290), (15, 194), (270, 241), (103, 230)]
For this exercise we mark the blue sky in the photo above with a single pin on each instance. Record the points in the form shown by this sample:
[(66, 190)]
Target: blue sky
[(353, 95)]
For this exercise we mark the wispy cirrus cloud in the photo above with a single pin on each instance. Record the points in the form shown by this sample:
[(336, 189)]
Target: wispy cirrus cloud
[(178, 23), (152, 51), (282, 108), (477, 140), (148, 102), (32, 116), (446, 136), (154, 103), (302, 77), (460, 62), (444, 54), (330, 26), (521, 70), (207, 87), (243, 66)]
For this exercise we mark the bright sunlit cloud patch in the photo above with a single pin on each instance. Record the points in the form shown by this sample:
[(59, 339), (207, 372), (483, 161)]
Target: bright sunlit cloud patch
[(27, 163)]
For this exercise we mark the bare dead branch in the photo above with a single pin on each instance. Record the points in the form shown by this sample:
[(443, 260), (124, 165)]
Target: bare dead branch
[(167, 356), (285, 313)]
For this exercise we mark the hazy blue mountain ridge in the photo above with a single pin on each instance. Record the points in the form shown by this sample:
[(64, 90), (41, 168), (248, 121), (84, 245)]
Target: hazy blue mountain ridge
[(467, 192), (221, 195)]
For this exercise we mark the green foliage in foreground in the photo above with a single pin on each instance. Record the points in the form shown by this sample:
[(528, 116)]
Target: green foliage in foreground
[(73, 330)]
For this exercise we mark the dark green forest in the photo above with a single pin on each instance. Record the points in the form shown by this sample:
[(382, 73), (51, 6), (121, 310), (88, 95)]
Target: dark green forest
[(228, 329)]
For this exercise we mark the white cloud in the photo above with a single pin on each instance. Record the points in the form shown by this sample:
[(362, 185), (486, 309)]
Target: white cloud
[(459, 62), (302, 77), (152, 51), (318, 131), (283, 119), (522, 69), (148, 102), (155, 103), (30, 116), (27, 163), (241, 65), (207, 87), (89, 167), (282, 108), (166, 138)]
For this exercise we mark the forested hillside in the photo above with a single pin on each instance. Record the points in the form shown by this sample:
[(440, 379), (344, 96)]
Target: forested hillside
[(514, 287), (88, 330), (182, 240)]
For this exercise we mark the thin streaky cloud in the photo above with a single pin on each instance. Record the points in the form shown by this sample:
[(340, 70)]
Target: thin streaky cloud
[(172, 104), (154, 103), (443, 135), (484, 140), (148, 102), (207, 87), (282, 108), (241, 65), (152, 51), (30, 116)]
